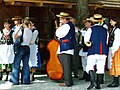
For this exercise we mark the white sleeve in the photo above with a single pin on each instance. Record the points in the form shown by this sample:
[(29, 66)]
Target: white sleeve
[(116, 42), (0, 35), (107, 37), (87, 35), (62, 31), (34, 36), (105, 26)]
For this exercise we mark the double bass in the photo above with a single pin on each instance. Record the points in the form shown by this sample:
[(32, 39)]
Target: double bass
[(53, 67)]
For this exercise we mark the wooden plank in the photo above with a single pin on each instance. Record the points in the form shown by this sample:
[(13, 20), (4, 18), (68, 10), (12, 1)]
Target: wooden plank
[(8, 1), (40, 2), (112, 0)]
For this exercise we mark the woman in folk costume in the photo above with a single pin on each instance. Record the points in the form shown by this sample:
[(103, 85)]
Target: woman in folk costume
[(34, 60), (6, 48), (114, 51), (96, 39)]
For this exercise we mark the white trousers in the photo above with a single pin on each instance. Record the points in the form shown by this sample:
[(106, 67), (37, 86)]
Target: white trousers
[(84, 62), (99, 62)]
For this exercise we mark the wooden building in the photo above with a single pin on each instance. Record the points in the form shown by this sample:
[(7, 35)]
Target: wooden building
[(107, 8), (44, 12)]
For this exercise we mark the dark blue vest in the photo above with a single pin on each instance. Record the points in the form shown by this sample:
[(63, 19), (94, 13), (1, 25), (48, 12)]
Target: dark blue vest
[(68, 42), (98, 39)]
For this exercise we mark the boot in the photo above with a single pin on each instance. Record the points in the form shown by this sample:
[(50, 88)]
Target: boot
[(7, 74), (1, 75), (87, 77), (102, 78), (83, 77), (115, 82), (98, 81), (92, 79)]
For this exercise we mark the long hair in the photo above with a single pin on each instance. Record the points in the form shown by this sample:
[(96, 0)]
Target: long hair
[(117, 20)]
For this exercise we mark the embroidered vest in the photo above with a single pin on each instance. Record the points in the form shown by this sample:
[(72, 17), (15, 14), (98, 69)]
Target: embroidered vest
[(85, 48), (9, 38), (98, 39), (111, 37), (68, 42)]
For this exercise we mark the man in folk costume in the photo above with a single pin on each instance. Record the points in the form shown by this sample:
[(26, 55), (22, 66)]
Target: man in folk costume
[(17, 21), (114, 51), (66, 37), (84, 50), (96, 39)]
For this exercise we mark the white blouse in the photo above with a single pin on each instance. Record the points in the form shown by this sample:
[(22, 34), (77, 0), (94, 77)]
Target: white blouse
[(27, 37), (116, 42), (34, 36)]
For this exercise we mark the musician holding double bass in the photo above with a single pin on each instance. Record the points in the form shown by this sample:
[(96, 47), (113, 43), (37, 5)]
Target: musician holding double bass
[(66, 36)]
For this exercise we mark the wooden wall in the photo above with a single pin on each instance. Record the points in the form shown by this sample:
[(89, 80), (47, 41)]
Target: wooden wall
[(45, 20), (7, 11), (106, 12)]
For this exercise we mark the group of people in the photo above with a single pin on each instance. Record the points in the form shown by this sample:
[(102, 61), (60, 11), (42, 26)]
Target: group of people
[(98, 46), (94, 43), (27, 56)]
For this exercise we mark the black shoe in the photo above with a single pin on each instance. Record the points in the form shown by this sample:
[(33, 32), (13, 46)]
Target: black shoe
[(115, 82), (91, 86), (113, 85), (109, 85), (97, 87)]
